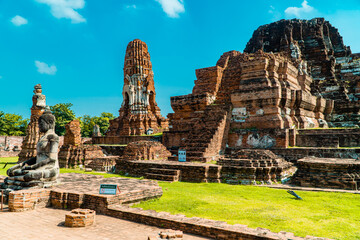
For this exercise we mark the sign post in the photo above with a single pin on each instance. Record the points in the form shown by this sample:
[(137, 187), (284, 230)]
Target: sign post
[(182, 155), (110, 189)]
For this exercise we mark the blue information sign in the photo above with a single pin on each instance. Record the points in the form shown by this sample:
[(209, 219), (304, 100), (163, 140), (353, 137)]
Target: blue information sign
[(182, 155)]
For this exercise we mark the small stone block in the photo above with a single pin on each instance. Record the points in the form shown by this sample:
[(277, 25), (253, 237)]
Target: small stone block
[(80, 218)]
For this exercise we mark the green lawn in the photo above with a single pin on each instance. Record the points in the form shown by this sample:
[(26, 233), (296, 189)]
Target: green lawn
[(332, 215), (7, 159)]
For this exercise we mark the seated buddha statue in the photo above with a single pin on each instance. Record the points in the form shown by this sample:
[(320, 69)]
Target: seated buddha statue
[(42, 170)]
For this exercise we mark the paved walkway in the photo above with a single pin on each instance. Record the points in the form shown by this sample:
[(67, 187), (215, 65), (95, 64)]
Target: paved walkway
[(47, 224)]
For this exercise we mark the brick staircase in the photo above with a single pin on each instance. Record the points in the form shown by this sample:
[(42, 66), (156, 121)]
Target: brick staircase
[(206, 138), (162, 174), (254, 165)]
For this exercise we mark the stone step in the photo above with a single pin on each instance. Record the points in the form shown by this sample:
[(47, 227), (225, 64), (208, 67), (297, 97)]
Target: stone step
[(194, 154), (165, 171), (173, 158), (161, 177)]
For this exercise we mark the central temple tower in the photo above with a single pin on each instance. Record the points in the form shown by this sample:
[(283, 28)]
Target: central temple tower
[(139, 113)]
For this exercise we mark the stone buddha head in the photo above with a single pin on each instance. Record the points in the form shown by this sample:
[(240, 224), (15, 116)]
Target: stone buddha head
[(46, 121)]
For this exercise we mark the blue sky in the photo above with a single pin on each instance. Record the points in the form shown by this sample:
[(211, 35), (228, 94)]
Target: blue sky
[(75, 48)]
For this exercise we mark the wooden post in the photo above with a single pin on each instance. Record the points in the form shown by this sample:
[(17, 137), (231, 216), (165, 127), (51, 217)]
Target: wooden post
[(2, 199)]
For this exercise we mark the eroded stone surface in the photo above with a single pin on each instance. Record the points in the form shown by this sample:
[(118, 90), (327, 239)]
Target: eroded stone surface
[(319, 45)]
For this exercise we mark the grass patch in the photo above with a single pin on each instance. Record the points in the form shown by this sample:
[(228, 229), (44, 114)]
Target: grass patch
[(332, 215), (6, 159)]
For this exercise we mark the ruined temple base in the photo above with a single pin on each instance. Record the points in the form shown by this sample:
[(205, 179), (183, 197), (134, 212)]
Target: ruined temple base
[(204, 172), (253, 166), (82, 191), (102, 164), (327, 173)]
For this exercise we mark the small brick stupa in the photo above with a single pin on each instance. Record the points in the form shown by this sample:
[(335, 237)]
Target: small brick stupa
[(139, 113), (28, 148), (73, 152)]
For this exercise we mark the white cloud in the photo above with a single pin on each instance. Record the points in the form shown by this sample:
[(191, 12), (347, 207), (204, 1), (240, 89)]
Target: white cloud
[(19, 20), (44, 68), (130, 6), (299, 11), (172, 7), (66, 9), (271, 9)]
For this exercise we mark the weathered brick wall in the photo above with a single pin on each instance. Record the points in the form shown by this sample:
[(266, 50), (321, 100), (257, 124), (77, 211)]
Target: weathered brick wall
[(109, 150), (72, 133), (198, 226), (104, 164), (24, 200), (189, 172), (328, 138), (293, 154), (123, 139), (145, 150), (11, 140), (327, 173), (258, 138)]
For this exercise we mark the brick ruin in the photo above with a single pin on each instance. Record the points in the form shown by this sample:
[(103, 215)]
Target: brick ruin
[(28, 148), (328, 173), (319, 46), (73, 152), (145, 150), (295, 79), (10, 146), (246, 101), (139, 113)]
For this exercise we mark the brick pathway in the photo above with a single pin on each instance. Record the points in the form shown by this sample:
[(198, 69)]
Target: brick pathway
[(47, 224)]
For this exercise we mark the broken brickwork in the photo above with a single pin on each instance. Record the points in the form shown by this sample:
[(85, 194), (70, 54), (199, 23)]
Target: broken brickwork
[(327, 173), (245, 101), (319, 48), (73, 152), (145, 150)]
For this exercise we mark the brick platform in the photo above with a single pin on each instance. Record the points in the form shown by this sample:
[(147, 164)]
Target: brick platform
[(82, 191), (328, 173), (202, 172)]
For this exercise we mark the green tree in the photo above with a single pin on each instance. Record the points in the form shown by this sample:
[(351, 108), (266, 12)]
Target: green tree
[(63, 115), (87, 123), (12, 124)]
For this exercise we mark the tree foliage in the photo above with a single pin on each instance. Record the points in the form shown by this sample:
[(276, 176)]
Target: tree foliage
[(12, 124), (63, 115), (87, 123)]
